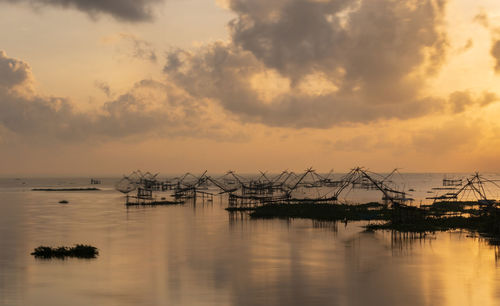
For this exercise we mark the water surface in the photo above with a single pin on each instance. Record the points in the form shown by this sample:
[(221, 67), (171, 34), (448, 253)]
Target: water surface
[(198, 254)]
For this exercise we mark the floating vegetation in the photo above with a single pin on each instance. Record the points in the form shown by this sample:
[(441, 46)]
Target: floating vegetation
[(243, 208), (78, 251), (487, 225), (440, 216), (334, 212), (479, 224), (66, 189)]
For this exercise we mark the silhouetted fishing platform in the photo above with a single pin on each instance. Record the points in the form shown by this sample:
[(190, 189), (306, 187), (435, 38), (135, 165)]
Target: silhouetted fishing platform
[(463, 204), (145, 197), (291, 188)]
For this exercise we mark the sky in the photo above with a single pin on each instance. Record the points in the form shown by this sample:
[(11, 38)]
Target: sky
[(105, 87)]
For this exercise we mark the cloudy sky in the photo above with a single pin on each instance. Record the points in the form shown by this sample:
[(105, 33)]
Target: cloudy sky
[(95, 87)]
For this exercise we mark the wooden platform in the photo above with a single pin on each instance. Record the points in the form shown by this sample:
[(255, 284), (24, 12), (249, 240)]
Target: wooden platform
[(154, 203)]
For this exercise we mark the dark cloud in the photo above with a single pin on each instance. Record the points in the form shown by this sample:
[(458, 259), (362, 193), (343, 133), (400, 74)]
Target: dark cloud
[(125, 10), (376, 54), (12, 72), (104, 87), (467, 46), (461, 100), (139, 48), (482, 19), (149, 108), (371, 59), (495, 52)]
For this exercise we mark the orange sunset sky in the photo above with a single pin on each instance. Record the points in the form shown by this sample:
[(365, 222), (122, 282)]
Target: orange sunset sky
[(93, 87)]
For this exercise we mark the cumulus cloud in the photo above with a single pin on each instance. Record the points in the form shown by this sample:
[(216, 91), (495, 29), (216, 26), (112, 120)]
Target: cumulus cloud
[(483, 19), (467, 46), (140, 48), (288, 63), (125, 10), (12, 72), (149, 108), (104, 87), (373, 58), (495, 52), (459, 101)]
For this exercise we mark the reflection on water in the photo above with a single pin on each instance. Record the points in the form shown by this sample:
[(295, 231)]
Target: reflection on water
[(198, 254), (403, 243)]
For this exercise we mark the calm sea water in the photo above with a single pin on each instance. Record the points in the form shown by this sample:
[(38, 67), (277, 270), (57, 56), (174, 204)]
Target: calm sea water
[(198, 254)]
